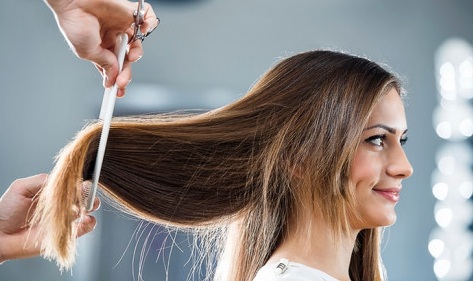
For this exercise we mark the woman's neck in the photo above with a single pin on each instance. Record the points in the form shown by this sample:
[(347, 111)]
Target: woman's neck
[(316, 246)]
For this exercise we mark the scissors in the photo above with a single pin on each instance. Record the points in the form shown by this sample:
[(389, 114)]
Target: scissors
[(108, 102), (139, 16)]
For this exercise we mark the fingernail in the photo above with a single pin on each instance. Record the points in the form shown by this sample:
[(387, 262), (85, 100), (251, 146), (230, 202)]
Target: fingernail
[(121, 93), (97, 204)]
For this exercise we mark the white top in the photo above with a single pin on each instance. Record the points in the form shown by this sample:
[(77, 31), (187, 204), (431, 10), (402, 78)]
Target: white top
[(291, 271)]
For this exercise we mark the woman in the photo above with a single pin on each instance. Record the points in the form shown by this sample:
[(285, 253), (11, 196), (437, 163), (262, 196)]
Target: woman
[(306, 167)]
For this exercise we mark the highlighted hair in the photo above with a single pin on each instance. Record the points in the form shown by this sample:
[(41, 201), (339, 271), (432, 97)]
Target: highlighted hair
[(234, 167)]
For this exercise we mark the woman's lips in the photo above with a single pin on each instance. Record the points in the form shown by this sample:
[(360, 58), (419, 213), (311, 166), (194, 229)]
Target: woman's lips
[(391, 194)]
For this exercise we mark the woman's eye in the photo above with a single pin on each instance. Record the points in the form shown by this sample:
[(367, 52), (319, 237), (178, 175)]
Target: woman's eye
[(403, 140), (377, 140)]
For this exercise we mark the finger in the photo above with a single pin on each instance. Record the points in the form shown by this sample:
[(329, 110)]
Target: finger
[(99, 69), (121, 93), (136, 51), (124, 77), (20, 245), (30, 186), (107, 61), (130, 32), (86, 225), (150, 21), (150, 29), (96, 205)]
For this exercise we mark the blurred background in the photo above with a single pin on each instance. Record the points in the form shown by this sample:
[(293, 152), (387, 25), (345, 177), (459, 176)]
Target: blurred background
[(207, 53)]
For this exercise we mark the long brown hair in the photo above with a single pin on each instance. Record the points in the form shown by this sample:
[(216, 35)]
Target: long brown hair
[(232, 168)]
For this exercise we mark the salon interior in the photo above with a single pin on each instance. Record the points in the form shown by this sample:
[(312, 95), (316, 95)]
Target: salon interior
[(207, 53)]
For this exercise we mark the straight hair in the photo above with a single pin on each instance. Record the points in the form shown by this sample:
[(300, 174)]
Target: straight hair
[(231, 170)]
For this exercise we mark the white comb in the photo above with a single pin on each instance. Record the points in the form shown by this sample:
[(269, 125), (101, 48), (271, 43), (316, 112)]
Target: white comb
[(106, 113)]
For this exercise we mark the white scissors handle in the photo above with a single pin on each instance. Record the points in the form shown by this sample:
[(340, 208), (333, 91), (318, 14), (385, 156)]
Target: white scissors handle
[(106, 113)]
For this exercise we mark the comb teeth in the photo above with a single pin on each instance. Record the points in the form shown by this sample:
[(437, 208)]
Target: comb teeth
[(87, 196)]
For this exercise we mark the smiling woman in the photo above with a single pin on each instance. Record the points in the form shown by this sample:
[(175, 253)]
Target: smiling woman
[(380, 163), (294, 179)]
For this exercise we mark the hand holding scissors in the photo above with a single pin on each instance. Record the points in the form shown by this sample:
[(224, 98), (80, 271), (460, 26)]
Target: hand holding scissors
[(91, 28)]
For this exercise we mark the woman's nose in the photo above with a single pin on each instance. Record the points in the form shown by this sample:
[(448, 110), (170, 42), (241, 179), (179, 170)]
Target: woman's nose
[(399, 166)]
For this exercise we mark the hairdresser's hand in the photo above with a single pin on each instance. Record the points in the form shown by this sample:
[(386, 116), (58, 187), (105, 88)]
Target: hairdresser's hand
[(91, 28), (17, 240)]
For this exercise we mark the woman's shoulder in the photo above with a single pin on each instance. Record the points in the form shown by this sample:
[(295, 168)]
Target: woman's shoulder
[(291, 271)]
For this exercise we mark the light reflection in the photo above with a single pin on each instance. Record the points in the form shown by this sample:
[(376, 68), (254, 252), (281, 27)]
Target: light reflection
[(448, 95), (440, 190), (453, 120), (466, 190), (436, 247), (451, 243), (441, 267), (466, 127), (443, 217), (448, 83), (465, 81), (466, 69), (446, 165), (444, 130), (461, 152), (447, 69), (453, 189)]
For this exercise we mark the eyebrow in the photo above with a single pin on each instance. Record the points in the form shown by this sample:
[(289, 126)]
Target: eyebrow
[(384, 127)]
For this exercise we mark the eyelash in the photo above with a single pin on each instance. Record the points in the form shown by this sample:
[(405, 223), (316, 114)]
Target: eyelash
[(382, 138)]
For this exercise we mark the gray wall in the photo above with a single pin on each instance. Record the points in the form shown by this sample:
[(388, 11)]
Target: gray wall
[(215, 46)]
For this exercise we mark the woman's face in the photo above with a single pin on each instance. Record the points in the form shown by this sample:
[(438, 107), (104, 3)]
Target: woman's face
[(380, 164)]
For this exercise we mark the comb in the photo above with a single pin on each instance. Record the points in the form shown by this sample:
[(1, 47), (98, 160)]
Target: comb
[(106, 113)]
